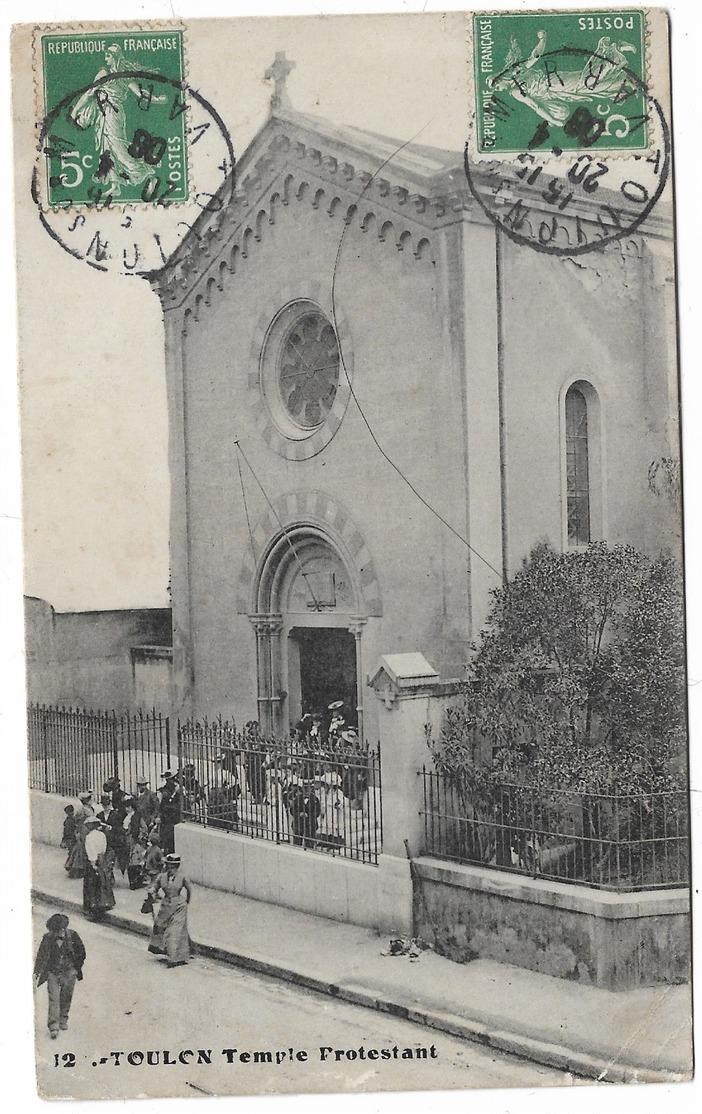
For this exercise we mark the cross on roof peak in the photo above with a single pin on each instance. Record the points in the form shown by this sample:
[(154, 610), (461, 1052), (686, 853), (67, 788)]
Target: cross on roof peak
[(278, 72)]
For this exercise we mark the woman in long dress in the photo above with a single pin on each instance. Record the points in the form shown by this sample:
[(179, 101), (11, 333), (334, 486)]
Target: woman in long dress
[(170, 932), (98, 895), (331, 821), (75, 863)]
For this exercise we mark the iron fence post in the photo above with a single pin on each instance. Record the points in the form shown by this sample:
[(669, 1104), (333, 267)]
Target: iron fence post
[(180, 750), (617, 834), (114, 744), (45, 739), (380, 794)]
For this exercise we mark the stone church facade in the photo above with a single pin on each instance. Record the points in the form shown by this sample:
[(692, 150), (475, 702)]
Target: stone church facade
[(378, 404)]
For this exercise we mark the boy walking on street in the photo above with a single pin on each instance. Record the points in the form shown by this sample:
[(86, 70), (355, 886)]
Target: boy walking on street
[(59, 963)]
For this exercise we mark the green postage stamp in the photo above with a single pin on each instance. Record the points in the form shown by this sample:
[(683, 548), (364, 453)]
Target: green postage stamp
[(115, 119), (560, 79)]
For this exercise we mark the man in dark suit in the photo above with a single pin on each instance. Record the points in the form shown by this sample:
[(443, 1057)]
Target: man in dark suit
[(170, 810), (304, 809), (117, 847), (116, 793), (146, 802), (59, 963)]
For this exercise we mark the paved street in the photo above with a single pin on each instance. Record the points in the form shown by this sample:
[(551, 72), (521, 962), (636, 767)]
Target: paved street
[(129, 1003)]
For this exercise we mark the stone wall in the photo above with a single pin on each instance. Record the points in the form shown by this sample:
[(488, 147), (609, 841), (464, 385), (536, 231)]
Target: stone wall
[(610, 940), (47, 816), (84, 658), (377, 897)]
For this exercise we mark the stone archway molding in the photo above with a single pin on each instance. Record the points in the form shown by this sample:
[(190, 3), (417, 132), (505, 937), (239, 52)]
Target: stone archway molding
[(315, 510)]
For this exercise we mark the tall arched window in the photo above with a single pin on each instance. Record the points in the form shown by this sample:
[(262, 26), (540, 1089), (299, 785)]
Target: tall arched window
[(578, 466)]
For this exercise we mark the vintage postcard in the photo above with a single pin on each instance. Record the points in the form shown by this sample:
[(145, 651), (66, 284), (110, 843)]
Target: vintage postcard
[(353, 549)]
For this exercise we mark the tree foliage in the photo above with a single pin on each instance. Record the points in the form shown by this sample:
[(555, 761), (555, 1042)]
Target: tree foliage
[(578, 680)]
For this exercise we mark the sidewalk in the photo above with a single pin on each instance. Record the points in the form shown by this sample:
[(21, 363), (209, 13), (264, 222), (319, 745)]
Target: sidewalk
[(633, 1036)]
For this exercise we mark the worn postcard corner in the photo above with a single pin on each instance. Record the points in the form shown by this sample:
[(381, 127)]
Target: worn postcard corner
[(356, 691)]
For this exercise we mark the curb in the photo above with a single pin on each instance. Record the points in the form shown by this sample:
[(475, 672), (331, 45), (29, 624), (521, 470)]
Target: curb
[(515, 1044)]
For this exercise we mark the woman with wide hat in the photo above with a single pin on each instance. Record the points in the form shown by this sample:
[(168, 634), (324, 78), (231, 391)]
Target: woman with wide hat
[(170, 935)]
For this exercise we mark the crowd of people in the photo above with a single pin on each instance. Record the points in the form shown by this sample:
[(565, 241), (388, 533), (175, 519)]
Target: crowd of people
[(320, 777), (133, 833)]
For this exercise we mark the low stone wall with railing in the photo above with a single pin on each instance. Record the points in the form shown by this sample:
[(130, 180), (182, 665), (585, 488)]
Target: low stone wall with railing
[(586, 886), (323, 797)]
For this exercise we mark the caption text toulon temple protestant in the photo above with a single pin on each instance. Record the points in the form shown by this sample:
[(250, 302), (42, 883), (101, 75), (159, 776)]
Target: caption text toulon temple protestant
[(324, 1054)]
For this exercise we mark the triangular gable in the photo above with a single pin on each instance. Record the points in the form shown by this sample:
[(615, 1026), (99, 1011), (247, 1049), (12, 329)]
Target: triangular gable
[(408, 188), (405, 190)]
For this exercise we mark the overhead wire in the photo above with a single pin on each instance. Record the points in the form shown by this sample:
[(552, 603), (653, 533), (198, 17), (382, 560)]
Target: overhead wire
[(246, 506), (362, 414), (354, 396)]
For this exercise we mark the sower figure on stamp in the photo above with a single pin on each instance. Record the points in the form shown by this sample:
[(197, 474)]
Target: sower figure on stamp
[(102, 108), (59, 963)]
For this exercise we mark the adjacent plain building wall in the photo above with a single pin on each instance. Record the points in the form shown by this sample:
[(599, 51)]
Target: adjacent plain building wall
[(83, 659), (582, 319)]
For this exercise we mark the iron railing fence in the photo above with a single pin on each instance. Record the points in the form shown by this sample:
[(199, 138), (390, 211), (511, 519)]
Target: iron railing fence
[(612, 841), (71, 749), (282, 790)]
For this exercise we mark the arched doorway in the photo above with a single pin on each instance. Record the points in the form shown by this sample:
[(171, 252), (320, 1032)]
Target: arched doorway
[(308, 623)]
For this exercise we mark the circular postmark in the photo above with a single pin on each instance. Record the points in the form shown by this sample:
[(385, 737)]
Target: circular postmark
[(120, 191), (570, 190)]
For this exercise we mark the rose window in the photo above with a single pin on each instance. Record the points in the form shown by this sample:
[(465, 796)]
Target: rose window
[(308, 375)]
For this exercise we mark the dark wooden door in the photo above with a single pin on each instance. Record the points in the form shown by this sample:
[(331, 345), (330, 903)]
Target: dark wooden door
[(327, 669)]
